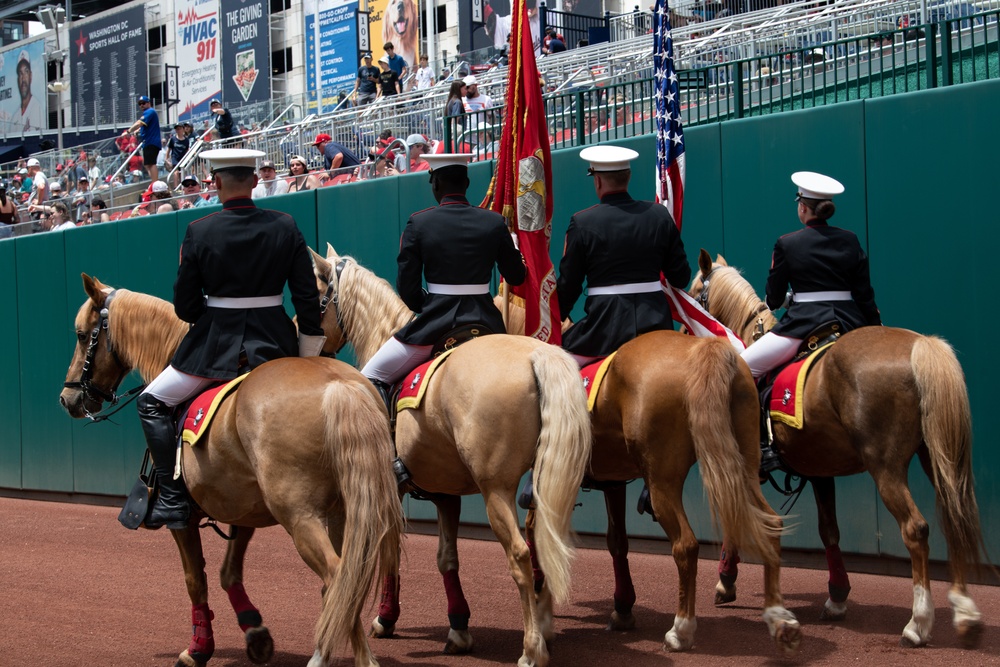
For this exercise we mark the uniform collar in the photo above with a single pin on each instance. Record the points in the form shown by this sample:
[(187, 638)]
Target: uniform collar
[(816, 223), (615, 197), (238, 202), (454, 199)]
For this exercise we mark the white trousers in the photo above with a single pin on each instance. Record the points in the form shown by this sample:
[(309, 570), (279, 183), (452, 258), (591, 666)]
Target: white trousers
[(174, 387), (770, 352), (583, 360), (394, 360)]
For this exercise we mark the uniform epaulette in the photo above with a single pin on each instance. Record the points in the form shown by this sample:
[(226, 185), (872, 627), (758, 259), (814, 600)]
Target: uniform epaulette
[(797, 231)]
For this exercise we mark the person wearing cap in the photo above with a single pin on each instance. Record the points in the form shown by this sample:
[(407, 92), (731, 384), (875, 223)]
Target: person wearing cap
[(160, 198), (191, 192), (81, 197), (619, 247), (31, 111), (224, 123), (39, 192), (396, 63), (148, 130), (455, 246), (414, 160), (388, 79), (177, 146), (827, 271), (234, 266), (475, 100), (366, 84), (269, 184), (335, 154), (302, 179)]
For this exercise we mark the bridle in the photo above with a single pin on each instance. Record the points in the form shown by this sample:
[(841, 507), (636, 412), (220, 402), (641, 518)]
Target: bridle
[(332, 295), (703, 302), (86, 384)]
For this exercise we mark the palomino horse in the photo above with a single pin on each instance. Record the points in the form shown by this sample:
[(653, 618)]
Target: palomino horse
[(303, 443), (879, 396), (666, 401), (497, 406)]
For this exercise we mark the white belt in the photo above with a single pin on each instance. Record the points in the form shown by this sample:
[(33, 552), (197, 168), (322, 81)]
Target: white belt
[(805, 297), (244, 301), (458, 290), (627, 288)]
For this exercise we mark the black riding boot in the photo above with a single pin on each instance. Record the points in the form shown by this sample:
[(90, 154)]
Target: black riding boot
[(171, 508), (385, 391), (403, 477)]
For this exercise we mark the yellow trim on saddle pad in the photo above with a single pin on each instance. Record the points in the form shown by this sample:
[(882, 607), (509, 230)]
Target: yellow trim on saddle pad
[(413, 402), (798, 420), (598, 378), (190, 437)]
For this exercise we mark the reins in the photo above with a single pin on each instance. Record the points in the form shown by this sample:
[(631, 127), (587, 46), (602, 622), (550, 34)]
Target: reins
[(332, 296)]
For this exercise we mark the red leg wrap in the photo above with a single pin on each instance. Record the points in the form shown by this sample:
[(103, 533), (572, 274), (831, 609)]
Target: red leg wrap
[(536, 570), (624, 590), (388, 609), (247, 615), (458, 608), (839, 584), (202, 644), (728, 567)]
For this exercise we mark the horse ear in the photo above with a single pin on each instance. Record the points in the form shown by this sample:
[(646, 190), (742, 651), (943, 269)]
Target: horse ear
[(322, 266), (721, 261), (704, 262), (330, 252), (95, 289)]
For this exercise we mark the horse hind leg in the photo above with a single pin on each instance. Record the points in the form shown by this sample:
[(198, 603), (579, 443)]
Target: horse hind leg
[(543, 596), (839, 584), (669, 510), (260, 646), (202, 644), (459, 638), (725, 588), (617, 540)]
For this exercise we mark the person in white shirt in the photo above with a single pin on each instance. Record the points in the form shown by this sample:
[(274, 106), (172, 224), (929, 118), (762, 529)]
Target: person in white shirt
[(425, 75), (269, 184), (475, 100), (93, 171), (39, 184)]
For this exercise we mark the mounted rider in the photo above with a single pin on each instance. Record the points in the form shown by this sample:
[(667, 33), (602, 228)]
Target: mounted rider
[(234, 265)]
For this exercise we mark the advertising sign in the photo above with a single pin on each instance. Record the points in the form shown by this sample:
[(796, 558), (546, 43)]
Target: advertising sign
[(22, 88), (331, 50), (108, 59), (198, 56), (398, 22), (246, 51)]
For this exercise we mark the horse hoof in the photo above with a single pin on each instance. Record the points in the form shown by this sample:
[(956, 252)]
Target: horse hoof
[(186, 660), (382, 629), (970, 633), (906, 642), (459, 642), (788, 637), (833, 611), (621, 622), (260, 646), (724, 595)]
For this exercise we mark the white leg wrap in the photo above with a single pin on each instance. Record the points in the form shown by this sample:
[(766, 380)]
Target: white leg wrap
[(316, 660), (964, 608), (773, 616), (918, 630), (681, 636)]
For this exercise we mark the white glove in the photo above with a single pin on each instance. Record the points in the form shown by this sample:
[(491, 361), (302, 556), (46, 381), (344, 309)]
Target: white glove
[(513, 236), (311, 346)]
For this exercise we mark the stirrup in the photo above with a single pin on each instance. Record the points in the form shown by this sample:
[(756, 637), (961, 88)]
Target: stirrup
[(403, 478), (645, 503), (526, 500)]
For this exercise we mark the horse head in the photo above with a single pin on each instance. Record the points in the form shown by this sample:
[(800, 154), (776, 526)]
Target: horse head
[(724, 292), (96, 369)]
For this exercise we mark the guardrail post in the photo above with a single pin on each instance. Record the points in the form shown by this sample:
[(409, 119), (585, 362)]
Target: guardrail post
[(947, 75), (737, 81), (543, 19), (580, 118), (447, 134), (930, 54)]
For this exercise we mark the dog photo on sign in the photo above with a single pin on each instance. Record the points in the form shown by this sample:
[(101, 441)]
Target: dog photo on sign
[(400, 26)]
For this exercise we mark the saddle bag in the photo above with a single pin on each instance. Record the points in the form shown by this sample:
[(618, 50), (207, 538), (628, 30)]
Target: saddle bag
[(137, 503)]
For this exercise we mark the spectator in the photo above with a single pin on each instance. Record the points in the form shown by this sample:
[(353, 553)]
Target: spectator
[(148, 129), (39, 184), (474, 100), (93, 171), (224, 124), (26, 182), (135, 164), (269, 184), (133, 176), (455, 105), (191, 189), (159, 197), (77, 170), (388, 79), (556, 44), (8, 213), (482, 142), (365, 87), (126, 143), (396, 63), (208, 196), (335, 155), (56, 191), (384, 165), (58, 217), (418, 146), (99, 211), (301, 178), (178, 145), (82, 198), (425, 75)]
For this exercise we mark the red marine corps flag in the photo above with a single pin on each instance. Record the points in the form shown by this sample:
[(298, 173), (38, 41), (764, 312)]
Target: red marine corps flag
[(521, 190)]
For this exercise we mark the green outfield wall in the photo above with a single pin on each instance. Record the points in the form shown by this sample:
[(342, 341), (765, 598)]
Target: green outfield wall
[(919, 172)]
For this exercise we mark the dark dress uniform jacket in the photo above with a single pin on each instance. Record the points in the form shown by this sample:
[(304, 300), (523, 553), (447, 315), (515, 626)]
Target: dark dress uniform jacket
[(821, 258), (453, 244), (242, 251), (621, 240)]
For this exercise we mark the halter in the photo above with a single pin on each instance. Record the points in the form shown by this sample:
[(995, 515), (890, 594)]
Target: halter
[(332, 295), (703, 302), (85, 384)]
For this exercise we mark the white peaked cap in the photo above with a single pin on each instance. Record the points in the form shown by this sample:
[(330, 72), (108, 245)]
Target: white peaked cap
[(816, 186), (441, 160), (608, 158), (232, 158)]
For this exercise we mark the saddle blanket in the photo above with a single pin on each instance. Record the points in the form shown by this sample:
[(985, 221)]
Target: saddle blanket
[(411, 392), (592, 375), (203, 408), (788, 393)]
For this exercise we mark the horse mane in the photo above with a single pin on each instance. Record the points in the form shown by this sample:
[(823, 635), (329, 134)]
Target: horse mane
[(732, 300), (369, 308), (144, 331)]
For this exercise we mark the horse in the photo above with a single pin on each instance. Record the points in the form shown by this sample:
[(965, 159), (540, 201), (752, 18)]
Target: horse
[(667, 400), (496, 406), (879, 396), (303, 443)]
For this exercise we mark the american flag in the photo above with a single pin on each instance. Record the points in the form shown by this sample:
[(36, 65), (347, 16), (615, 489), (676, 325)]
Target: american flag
[(669, 133)]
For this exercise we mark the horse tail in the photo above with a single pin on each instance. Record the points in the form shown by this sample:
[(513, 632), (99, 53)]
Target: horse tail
[(710, 402), (358, 449), (562, 456), (946, 423)]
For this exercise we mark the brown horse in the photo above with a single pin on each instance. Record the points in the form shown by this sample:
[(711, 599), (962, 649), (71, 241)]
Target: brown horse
[(877, 398), (303, 443), (666, 401), (497, 406)]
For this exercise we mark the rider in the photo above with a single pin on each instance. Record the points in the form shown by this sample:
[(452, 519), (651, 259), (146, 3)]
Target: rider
[(620, 246), (234, 265), (828, 273)]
